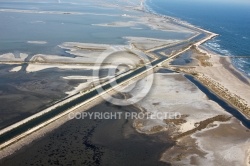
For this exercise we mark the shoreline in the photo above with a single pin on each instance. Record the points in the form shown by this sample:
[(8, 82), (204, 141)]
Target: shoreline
[(25, 120), (183, 22), (52, 126), (210, 35), (227, 63), (210, 77), (236, 73)]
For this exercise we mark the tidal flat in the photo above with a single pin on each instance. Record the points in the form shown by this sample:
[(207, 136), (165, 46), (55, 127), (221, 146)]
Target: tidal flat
[(94, 142), (24, 94), (53, 42), (197, 138), (58, 60)]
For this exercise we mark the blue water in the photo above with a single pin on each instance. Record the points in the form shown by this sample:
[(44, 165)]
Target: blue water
[(229, 19), (55, 29)]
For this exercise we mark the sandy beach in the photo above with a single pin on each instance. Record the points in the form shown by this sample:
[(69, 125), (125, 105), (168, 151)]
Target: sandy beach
[(219, 75), (205, 134), (223, 72)]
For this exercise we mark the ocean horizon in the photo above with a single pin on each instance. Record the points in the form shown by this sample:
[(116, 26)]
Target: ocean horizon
[(231, 22)]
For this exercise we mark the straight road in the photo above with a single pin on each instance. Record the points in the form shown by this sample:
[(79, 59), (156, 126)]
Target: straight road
[(18, 131)]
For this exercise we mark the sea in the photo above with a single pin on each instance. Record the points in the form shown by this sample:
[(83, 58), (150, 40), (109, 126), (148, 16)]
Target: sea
[(228, 18)]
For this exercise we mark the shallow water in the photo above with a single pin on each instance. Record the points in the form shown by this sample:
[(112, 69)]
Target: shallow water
[(221, 102), (33, 92), (95, 142), (183, 59), (58, 28)]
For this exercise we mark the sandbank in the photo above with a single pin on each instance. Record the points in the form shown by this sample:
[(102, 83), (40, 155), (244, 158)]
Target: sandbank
[(37, 42)]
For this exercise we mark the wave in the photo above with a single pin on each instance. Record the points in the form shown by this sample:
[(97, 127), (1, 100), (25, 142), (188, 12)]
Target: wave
[(213, 45), (242, 64), (216, 47), (244, 61)]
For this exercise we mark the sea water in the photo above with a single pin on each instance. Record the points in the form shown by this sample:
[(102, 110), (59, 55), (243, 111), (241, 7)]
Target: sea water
[(229, 19)]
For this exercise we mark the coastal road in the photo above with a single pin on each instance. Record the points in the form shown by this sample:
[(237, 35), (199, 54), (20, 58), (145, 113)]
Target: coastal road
[(21, 129)]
